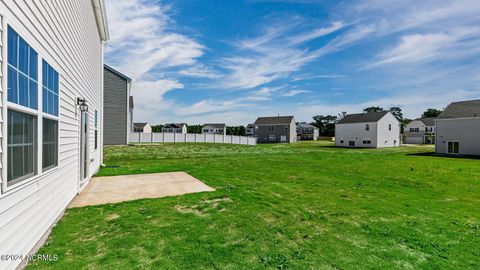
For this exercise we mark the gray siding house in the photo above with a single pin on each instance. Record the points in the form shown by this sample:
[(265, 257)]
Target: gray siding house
[(175, 128), (307, 132), (276, 129), (420, 131), (118, 107), (458, 129), (214, 129)]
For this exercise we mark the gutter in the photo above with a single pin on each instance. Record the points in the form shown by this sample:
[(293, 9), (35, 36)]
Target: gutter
[(101, 17)]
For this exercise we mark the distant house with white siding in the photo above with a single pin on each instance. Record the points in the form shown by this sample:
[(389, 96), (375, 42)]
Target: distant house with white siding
[(214, 129), (420, 131), (117, 108), (368, 130), (307, 132), (51, 80), (458, 129), (175, 128), (142, 128)]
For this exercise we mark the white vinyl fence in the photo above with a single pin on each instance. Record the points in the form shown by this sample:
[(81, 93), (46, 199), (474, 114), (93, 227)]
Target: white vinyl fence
[(138, 137)]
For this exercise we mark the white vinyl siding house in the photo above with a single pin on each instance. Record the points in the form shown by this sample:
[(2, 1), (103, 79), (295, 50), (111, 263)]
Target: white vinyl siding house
[(420, 131), (458, 129), (51, 55), (214, 129), (368, 130)]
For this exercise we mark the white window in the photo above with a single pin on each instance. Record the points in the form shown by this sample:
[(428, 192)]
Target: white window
[(389, 126), (270, 128)]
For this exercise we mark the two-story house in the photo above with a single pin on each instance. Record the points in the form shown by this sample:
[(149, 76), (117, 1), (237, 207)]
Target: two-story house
[(276, 129), (142, 128), (250, 130), (214, 129), (420, 131), (175, 128), (458, 129), (369, 130), (307, 132)]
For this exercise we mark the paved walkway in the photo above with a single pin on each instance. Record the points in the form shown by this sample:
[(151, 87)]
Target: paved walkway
[(115, 189)]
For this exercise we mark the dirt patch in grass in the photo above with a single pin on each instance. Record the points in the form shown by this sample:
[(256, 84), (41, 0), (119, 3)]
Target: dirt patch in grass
[(204, 207)]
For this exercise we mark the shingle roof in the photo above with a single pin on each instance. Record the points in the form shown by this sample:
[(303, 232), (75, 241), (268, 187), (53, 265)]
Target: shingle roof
[(118, 73), (305, 125), (469, 108), (362, 118), (175, 125), (429, 121), (139, 125), (215, 125), (274, 120)]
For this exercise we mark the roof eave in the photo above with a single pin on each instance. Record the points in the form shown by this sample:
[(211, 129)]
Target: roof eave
[(101, 17)]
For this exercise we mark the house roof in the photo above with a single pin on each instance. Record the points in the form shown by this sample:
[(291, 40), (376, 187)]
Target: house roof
[(175, 125), (274, 120), (429, 121), (362, 118), (469, 108), (101, 18), (215, 125), (118, 73), (139, 125), (305, 125)]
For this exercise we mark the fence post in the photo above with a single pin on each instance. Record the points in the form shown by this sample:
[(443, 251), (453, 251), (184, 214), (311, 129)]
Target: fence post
[(151, 137)]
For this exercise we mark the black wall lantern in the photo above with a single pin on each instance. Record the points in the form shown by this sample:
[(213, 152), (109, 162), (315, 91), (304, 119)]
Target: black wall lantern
[(82, 104)]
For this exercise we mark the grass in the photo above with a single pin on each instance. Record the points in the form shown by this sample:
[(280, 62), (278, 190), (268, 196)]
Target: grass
[(299, 206)]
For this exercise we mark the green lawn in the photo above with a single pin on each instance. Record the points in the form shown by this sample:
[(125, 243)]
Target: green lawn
[(299, 206)]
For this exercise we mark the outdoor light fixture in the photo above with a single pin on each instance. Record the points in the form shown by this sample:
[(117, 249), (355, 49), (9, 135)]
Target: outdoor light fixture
[(82, 104)]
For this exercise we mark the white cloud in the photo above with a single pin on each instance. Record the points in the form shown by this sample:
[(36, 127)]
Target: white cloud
[(292, 93)]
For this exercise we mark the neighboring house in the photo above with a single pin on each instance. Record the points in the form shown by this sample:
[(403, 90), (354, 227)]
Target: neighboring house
[(175, 128), (250, 130), (420, 131), (142, 128), (276, 129), (51, 83), (214, 129), (117, 107), (373, 130), (458, 129), (307, 132)]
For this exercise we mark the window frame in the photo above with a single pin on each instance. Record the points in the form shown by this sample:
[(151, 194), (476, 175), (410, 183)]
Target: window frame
[(453, 147), (37, 113)]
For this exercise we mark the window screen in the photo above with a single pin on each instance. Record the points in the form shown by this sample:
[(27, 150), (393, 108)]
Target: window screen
[(22, 149), (50, 89), (50, 143)]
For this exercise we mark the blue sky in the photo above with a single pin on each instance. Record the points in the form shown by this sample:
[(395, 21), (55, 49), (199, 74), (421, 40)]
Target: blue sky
[(199, 61)]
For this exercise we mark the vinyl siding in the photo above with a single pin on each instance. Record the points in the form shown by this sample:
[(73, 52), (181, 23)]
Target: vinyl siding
[(115, 109), (465, 131), (65, 34)]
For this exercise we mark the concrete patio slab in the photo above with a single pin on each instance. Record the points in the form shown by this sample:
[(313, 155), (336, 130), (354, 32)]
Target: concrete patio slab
[(115, 189)]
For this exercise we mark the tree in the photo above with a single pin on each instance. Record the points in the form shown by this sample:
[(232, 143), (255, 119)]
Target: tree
[(157, 128), (431, 113), (397, 112), (236, 130), (341, 116), (325, 124), (373, 109), (194, 129)]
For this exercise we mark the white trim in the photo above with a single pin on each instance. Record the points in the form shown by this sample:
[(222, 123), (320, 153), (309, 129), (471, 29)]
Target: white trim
[(101, 17), (446, 146), (4, 86)]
